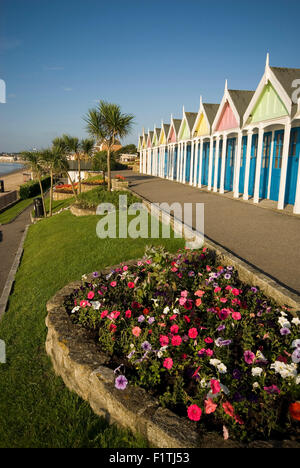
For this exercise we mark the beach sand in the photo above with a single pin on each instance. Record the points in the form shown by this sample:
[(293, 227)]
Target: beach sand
[(13, 181)]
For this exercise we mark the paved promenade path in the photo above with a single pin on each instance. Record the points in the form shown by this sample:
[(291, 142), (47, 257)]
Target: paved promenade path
[(266, 239), (10, 238)]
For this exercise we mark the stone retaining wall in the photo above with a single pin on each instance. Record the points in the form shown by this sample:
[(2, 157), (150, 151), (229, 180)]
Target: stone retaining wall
[(82, 366)]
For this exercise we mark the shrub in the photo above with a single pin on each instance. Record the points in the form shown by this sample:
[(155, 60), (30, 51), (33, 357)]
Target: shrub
[(32, 188), (94, 197), (65, 188), (205, 344)]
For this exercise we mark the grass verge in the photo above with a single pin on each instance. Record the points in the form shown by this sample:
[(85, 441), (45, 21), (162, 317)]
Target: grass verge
[(36, 409)]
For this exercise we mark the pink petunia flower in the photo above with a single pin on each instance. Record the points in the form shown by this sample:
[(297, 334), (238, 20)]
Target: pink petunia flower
[(164, 340), (198, 302), (215, 386), (176, 340), (104, 313), (174, 329), (210, 406), (136, 331), (209, 352), (236, 316), (83, 303), (199, 293), (168, 363), (91, 295), (194, 412), (113, 284), (208, 340), (228, 408), (128, 313), (193, 333), (249, 357), (130, 285)]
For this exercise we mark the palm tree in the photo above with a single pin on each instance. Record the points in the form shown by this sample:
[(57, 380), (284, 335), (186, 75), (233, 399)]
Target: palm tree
[(107, 123), (51, 162), (86, 146), (59, 145), (34, 162), (72, 145)]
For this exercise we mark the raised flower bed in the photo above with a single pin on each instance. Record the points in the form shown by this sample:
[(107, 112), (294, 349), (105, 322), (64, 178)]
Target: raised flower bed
[(216, 352), (63, 191), (119, 182)]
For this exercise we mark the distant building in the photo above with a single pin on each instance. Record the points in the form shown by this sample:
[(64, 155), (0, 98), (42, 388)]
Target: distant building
[(103, 146), (128, 157)]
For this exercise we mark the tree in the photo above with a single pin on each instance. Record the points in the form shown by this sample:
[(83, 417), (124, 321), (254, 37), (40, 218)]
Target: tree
[(34, 162), (107, 123), (87, 146), (59, 145), (51, 163), (72, 145)]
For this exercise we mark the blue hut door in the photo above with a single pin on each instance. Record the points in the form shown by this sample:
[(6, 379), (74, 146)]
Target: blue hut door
[(293, 166), (265, 165), (166, 162), (229, 165), (213, 164), (220, 164), (204, 174), (243, 164), (188, 163), (252, 168), (175, 163), (276, 165)]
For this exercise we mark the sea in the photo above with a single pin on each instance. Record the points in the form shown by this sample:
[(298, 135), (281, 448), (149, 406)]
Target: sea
[(7, 168)]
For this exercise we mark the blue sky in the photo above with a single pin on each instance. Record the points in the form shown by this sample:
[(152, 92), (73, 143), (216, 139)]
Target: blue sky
[(58, 57)]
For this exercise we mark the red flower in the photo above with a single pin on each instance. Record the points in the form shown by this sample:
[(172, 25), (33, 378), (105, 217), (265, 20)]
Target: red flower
[(128, 313), (176, 340), (187, 319), (146, 311), (215, 386), (174, 329), (208, 340), (168, 363), (294, 410), (112, 328), (193, 333), (228, 408), (194, 412), (164, 340), (130, 284)]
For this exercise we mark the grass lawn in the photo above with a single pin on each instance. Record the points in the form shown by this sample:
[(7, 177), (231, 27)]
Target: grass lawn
[(11, 213), (36, 409)]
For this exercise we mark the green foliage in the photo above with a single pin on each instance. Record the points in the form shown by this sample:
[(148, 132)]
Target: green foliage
[(94, 197), (32, 188), (99, 162)]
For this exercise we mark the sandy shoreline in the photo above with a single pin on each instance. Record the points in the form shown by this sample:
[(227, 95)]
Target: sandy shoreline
[(13, 180)]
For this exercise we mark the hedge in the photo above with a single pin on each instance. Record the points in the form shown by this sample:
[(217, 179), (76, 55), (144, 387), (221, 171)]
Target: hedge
[(32, 188)]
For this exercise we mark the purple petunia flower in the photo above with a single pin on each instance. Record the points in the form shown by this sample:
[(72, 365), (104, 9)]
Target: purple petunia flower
[(285, 331), (151, 320), (296, 356), (227, 276), (95, 274), (221, 327), (121, 382), (141, 318), (146, 346), (253, 289), (236, 374)]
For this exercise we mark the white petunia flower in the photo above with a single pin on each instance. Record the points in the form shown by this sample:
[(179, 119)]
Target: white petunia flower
[(222, 368), (214, 362), (256, 371), (75, 309), (166, 310), (296, 321), (284, 323)]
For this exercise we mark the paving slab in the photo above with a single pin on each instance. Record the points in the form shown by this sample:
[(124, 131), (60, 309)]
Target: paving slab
[(266, 239)]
